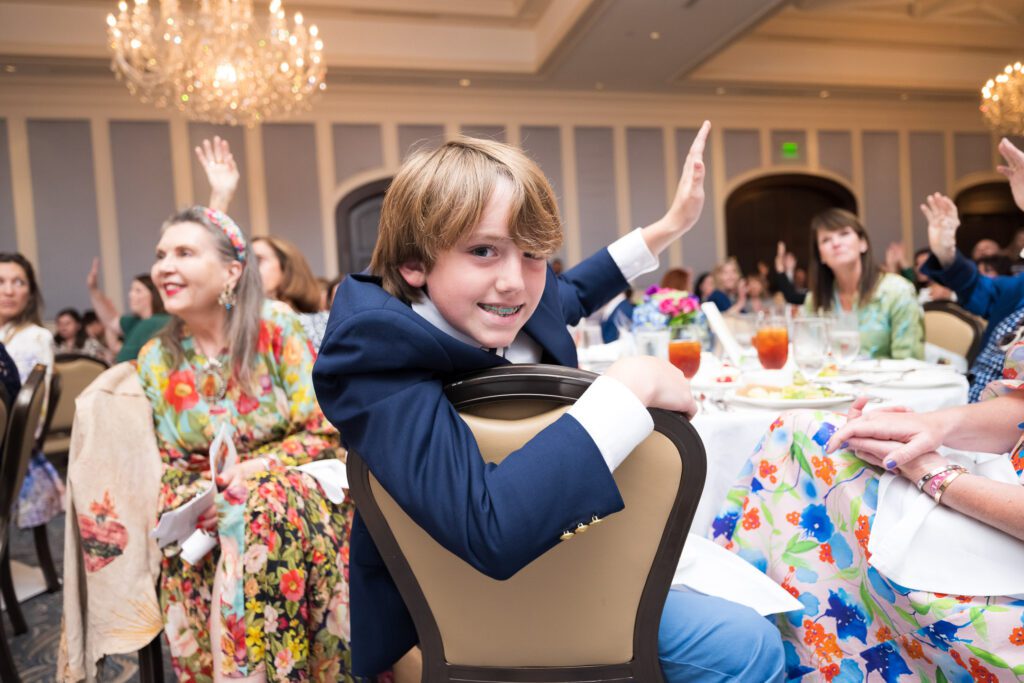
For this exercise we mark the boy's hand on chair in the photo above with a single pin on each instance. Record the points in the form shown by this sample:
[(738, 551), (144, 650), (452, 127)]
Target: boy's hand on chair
[(656, 382)]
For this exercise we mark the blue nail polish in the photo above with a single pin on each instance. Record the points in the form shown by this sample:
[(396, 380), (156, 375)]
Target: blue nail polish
[(890, 464), (845, 444)]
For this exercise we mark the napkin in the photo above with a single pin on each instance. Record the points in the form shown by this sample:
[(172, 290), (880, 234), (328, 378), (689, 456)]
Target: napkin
[(930, 547), (708, 568)]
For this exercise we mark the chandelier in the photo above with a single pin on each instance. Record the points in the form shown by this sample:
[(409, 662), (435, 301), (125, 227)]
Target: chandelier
[(217, 63), (1002, 101)]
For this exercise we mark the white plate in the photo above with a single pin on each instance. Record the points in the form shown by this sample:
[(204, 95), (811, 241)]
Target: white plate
[(922, 379), (785, 404), (887, 365)]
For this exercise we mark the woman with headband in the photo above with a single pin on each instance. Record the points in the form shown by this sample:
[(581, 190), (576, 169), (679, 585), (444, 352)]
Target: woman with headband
[(270, 602)]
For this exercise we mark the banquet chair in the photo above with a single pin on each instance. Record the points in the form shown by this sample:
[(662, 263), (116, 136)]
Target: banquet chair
[(77, 371), (589, 608), (948, 325), (17, 450)]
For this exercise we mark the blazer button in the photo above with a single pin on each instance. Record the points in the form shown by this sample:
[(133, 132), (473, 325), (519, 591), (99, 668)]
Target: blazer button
[(566, 536), (581, 527), (595, 520)]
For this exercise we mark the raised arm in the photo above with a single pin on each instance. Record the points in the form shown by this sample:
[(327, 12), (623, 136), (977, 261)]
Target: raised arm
[(1013, 170), (688, 202), (221, 171), (104, 307), (943, 221)]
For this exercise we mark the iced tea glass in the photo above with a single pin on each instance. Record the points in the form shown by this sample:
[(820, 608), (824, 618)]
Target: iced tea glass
[(684, 348), (772, 342)]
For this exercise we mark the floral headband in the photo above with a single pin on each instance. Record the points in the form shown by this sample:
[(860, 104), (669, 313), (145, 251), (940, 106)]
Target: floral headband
[(230, 229)]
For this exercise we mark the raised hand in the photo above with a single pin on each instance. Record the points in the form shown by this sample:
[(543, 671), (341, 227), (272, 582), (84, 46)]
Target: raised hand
[(1014, 170), (221, 171), (780, 257), (895, 257), (943, 221), (92, 280), (688, 202)]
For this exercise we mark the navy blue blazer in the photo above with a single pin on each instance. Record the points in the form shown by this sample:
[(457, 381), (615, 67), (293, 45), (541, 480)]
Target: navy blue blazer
[(379, 380), (993, 298)]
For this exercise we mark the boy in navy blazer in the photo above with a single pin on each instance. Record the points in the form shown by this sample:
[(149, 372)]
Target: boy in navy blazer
[(460, 283)]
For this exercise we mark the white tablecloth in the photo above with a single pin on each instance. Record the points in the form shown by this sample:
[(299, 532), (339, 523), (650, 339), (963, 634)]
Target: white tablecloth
[(730, 437)]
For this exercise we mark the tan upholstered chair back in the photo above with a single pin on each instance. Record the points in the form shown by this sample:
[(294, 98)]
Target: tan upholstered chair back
[(76, 372), (950, 327), (26, 413), (578, 605)]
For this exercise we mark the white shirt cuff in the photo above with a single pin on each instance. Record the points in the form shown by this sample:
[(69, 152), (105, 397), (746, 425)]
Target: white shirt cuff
[(614, 418), (632, 256)]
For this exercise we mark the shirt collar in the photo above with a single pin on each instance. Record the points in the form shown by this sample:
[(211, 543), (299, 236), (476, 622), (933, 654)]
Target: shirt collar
[(427, 310)]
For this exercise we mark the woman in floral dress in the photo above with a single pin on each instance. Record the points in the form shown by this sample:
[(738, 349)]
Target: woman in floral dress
[(271, 600), (804, 516)]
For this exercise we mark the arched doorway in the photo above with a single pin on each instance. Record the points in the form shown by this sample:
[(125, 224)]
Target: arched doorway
[(777, 207), (987, 211), (357, 221)]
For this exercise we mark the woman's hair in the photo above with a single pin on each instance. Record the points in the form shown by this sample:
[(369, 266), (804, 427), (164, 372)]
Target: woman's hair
[(438, 196), (676, 278), (731, 261), (821, 278), (299, 288), (80, 336), (33, 311), (700, 281), (242, 324), (146, 281)]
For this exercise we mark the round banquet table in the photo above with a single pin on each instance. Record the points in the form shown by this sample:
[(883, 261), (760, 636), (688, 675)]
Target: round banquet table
[(730, 436)]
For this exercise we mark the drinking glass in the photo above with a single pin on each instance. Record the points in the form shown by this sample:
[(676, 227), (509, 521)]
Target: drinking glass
[(684, 348), (772, 342), (844, 337), (810, 345)]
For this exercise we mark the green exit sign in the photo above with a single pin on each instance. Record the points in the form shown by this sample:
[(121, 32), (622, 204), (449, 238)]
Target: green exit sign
[(790, 150)]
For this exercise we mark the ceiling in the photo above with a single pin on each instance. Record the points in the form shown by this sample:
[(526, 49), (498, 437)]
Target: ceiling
[(885, 49)]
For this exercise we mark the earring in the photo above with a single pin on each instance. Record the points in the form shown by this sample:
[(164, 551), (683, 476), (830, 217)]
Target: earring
[(227, 297)]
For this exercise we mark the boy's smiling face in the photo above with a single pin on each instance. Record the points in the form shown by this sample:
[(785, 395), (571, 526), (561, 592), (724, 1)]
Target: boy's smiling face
[(485, 286)]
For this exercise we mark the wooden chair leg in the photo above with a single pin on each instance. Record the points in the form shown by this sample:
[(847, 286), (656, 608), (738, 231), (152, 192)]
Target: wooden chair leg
[(151, 662), (10, 599), (46, 559), (8, 672)]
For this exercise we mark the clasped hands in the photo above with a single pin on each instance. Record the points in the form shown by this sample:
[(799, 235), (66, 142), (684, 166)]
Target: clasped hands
[(894, 438)]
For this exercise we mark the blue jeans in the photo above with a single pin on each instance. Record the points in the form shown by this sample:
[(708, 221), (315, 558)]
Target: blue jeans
[(703, 639)]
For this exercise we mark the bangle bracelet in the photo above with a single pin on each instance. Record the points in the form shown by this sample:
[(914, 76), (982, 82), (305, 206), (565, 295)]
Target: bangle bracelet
[(945, 484), (932, 487), (927, 477)]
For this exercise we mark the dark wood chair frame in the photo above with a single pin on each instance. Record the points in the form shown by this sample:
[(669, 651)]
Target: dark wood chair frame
[(18, 443), (958, 311), (559, 385)]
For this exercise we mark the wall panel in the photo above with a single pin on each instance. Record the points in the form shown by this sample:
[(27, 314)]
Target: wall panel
[(927, 175), (742, 151), (485, 131), (8, 235), (412, 137), (64, 197), (881, 212), (544, 145), (595, 180), (645, 154), (972, 153), (835, 152), (357, 148), (143, 188), (293, 190)]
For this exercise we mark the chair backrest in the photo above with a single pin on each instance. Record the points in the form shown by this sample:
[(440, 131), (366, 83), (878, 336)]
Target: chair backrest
[(588, 609), (19, 442), (76, 371), (949, 326)]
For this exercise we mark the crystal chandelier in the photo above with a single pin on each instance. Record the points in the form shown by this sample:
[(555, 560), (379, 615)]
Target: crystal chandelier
[(217, 63), (1002, 101)]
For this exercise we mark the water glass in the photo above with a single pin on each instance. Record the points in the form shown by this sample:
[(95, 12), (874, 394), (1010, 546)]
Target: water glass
[(810, 345), (844, 337)]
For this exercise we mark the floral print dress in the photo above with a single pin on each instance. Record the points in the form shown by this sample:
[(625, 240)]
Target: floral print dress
[(804, 518), (283, 546)]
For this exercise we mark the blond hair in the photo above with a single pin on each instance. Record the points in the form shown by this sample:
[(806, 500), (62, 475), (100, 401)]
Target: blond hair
[(438, 197)]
